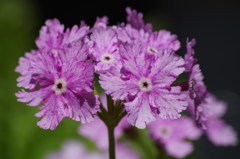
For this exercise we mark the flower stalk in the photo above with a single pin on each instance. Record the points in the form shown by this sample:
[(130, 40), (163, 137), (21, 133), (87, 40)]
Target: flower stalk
[(111, 117)]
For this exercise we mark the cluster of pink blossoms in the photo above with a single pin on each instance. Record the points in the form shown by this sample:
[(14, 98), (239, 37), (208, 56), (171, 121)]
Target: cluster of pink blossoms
[(136, 65)]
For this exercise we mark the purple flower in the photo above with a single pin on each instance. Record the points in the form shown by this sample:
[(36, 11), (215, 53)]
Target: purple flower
[(104, 49), (197, 90), (204, 106), (173, 135), (53, 37), (209, 113), (145, 84), (162, 40), (64, 84), (135, 19)]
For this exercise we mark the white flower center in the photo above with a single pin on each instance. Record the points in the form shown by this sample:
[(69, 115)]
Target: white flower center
[(164, 131), (145, 84), (151, 50), (55, 52), (107, 58), (60, 86)]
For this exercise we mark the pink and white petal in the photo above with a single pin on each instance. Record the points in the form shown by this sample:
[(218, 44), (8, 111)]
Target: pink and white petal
[(166, 68), (50, 34), (76, 51), (116, 87), (191, 131), (33, 98), (221, 134), (75, 34), (80, 76), (166, 40), (139, 111), (135, 19), (189, 56), (214, 107), (84, 105), (197, 77), (134, 59), (52, 113), (104, 40), (179, 149), (169, 102)]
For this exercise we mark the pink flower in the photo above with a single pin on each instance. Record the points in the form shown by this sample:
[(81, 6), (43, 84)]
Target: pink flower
[(104, 49), (173, 135), (204, 106), (135, 19), (145, 84), (218, 132), (53, 37), (64, 84), (154, 41), (197, 90), (162, 40)]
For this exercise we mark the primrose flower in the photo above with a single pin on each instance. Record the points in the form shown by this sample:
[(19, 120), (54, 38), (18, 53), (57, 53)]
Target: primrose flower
[(210, 113), (146, 85), (64, 84), (197, 90), (175, 135), (204, 106), (104, 49), (53, 37)]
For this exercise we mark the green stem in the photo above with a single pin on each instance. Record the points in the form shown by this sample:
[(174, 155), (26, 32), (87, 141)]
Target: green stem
[(111, 141), (111, 117)]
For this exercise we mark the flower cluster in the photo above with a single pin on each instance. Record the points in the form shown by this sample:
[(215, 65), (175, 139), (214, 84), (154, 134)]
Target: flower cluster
[(135, 66)]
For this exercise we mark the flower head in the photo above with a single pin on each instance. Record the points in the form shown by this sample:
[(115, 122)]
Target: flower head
[(104, 49), (173, 135), (209, 113), (204, 106), (64, 84), (53, 37), (145, 84)]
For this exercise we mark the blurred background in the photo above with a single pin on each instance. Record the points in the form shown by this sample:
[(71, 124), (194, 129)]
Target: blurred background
[(214, 23)]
